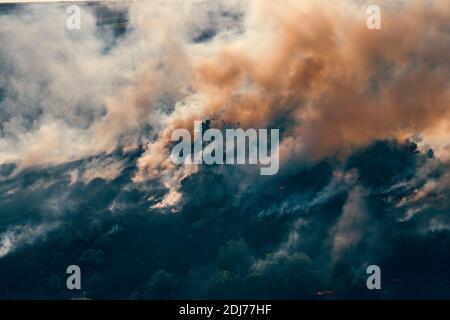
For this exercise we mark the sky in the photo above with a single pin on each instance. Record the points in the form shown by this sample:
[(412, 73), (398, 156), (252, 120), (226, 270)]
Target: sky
[(85, 138)]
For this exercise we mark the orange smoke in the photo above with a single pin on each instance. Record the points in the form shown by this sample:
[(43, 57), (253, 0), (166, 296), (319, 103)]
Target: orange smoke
[(321, 74)]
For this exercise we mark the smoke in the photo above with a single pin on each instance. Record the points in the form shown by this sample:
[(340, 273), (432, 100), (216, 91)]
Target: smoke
[(311, 68), (18, 236), (350, 227), (316, 69), (85, 124)]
